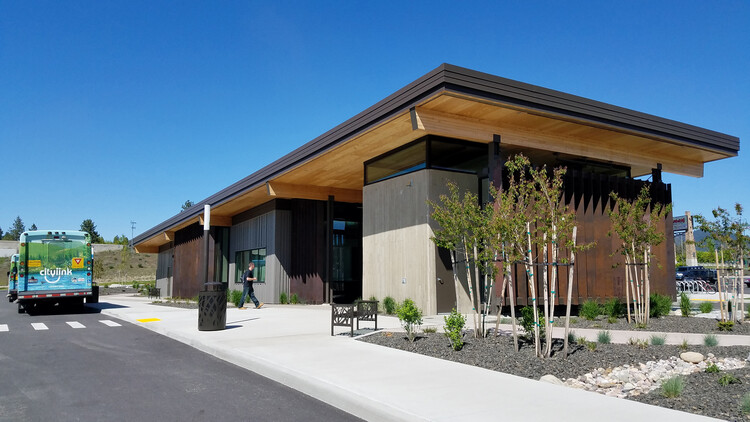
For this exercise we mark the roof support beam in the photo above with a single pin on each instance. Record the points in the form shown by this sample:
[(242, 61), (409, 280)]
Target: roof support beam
[(454, 126), (217, 220), (320, 193), (146, 249)]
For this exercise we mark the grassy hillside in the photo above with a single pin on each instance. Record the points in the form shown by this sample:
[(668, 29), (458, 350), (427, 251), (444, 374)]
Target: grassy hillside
[(124, 267), (4, 268)]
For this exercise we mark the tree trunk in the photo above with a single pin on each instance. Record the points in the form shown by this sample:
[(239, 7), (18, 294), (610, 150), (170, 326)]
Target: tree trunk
[(553, 288), (571, 267), (532, 289), (512, 295), (545, 294), (628, 282), (456, 281), (471, 290), (719, 282)]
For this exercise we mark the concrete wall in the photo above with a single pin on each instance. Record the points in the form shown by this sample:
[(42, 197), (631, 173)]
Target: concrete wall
[(399, 258), (101, 247), (8, 248)]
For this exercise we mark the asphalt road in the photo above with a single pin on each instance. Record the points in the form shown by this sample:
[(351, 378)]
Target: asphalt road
[(65, 365)]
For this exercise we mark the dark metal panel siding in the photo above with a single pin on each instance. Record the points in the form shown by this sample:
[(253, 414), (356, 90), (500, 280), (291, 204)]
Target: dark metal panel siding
[(308, 250), (164, 262), (283, 248)]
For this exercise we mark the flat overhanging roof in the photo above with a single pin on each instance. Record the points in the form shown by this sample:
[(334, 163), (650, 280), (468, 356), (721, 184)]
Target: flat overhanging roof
[(461, 103)]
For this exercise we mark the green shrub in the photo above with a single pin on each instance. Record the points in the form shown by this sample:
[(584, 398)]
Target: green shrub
[(725, 325), (604, 337), (658, 340), (235, 296), (684, 304), (672, 387), (294, 299), (283, 298), (727, 379), (745, 404), (429, 330), (611, 320), (590, 310), (660, 305), (710, 340), (614, 308), (706, 307), (410, 316), (571, 337), (527, 322), (390, 305), (712, 369), (454, 326)]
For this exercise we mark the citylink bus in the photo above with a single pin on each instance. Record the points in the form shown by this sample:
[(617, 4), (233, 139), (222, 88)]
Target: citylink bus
[(13, 278), (55, 267)]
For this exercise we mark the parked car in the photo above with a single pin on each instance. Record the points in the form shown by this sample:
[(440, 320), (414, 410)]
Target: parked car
[(696, 272)]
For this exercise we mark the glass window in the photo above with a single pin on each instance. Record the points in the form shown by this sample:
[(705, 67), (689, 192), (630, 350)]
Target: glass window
[(242, 260), (428, 152), (401, 161), (451, 154)]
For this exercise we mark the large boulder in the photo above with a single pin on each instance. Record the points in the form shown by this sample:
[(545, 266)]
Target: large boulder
[(692, 357)]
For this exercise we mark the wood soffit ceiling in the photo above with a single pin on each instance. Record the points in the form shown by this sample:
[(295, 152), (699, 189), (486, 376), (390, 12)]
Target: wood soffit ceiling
[(339, 170)]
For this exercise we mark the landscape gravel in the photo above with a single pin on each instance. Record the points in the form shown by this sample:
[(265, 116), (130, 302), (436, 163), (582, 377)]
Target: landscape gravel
[(609, 368)]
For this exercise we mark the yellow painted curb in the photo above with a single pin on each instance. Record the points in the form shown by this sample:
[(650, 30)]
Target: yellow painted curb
[(148, 320)]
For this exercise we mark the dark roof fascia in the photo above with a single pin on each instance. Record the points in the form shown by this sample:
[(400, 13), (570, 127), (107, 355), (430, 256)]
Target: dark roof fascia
[(448, 77), (495, 88)]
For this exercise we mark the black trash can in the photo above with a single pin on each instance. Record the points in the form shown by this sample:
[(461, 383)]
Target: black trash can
[(212, 307)]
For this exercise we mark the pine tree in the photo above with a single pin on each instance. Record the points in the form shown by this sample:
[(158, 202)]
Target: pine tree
[(16, 229), (89, 227)]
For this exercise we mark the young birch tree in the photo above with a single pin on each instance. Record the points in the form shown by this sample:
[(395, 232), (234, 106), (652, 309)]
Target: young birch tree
[(554, 227), (465, 228), (636, 228), (727, 234)]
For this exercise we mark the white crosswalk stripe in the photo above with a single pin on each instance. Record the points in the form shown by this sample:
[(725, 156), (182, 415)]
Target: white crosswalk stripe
[(40, 326)]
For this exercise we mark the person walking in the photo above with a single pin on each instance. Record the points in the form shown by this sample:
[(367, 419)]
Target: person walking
[(247, 288)]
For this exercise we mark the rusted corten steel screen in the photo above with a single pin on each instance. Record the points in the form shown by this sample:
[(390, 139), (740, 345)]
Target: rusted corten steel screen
[(594, 275)]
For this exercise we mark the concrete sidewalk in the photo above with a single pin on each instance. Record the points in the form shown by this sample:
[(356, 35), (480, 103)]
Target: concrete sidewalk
[(292, 344)]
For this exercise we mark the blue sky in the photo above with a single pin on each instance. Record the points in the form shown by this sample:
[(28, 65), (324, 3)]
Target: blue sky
[(120, 111)]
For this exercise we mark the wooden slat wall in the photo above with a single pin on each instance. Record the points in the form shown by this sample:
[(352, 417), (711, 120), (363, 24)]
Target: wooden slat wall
[(188, 258), (594, 277)]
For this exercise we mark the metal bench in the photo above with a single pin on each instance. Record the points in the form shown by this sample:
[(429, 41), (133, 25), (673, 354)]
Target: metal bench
[(154, 292), (344, 315)]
